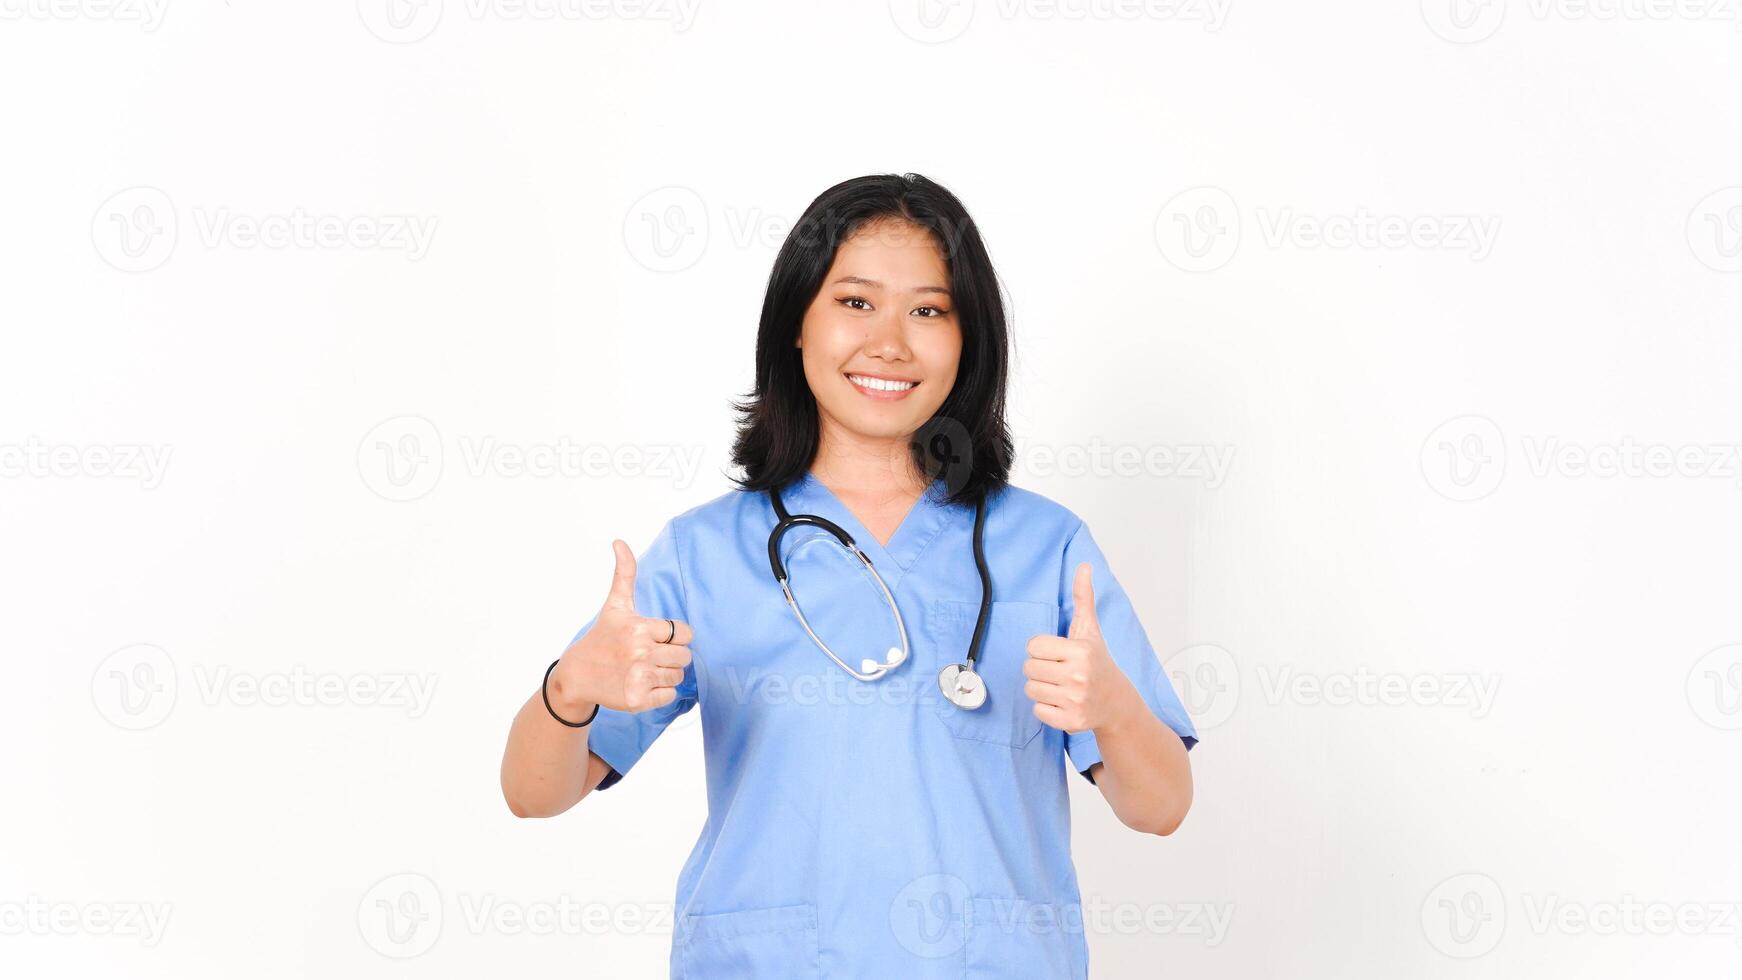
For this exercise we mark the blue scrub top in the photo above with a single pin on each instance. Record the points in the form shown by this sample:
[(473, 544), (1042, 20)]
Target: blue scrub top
[(874, 829)]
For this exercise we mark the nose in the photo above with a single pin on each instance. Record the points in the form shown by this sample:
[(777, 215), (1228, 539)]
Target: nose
[(886, 338)]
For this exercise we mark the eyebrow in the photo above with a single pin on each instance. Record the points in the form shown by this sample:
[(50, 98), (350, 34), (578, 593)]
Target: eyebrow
[(861, 280)]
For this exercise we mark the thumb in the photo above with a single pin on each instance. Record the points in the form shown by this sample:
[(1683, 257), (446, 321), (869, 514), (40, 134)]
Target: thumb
[(622, 595), (1083, 621)]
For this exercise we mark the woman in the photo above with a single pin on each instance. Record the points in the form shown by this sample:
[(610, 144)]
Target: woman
[(883, 801)]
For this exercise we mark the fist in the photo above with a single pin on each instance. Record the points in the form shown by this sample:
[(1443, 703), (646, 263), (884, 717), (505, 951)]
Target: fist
[(1072, 679), (625, 661)]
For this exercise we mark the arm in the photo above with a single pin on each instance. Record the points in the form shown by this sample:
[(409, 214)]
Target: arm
[(546, 768), (1144, 772), (621, 662)]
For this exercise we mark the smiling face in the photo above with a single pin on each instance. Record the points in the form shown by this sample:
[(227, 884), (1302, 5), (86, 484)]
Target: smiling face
[(881, 341)]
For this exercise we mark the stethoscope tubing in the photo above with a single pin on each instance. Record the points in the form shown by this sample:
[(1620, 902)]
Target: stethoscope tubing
[(786, 521)]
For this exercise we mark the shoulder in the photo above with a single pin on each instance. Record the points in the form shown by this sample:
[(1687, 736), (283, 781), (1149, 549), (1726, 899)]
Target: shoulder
[(724, 514), (1034, 512)]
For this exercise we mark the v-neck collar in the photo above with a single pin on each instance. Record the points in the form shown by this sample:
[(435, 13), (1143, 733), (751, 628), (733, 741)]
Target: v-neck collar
[(929, 515)]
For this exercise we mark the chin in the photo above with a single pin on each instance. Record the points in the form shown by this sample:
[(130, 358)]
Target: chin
[(884, 428)]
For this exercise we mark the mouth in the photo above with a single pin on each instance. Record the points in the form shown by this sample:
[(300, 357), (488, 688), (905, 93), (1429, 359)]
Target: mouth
[(881, 387)]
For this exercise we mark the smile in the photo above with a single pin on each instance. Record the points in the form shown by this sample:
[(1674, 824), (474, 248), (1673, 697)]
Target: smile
[(883, 389)]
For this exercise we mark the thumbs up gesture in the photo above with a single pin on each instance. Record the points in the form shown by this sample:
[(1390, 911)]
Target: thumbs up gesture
[(625, 661), (1073, 681)]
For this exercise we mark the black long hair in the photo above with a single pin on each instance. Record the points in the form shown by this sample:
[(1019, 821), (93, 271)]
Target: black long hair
[(966, 443)]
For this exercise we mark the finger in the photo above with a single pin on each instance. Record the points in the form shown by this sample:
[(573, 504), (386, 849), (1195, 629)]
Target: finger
[(664, 676), (622, 594), (670, 655), (1041, 693), (1045, 671), (659, 697), (677, 630), (1083, 621), (1051, 716), (1044, 647)]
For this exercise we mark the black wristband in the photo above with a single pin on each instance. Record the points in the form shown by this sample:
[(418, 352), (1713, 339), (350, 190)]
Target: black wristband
[(545, 691)]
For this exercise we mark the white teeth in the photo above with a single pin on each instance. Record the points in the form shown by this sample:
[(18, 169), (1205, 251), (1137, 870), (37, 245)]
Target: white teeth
[(878, 384)]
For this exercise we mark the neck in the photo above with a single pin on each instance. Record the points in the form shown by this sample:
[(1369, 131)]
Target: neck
[(858, 463)]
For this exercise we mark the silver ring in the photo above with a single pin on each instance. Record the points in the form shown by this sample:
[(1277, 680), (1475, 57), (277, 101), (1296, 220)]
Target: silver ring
[(673, 631)]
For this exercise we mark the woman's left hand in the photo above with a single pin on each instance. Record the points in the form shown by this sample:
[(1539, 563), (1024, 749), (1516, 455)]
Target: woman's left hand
[(1072, 679)]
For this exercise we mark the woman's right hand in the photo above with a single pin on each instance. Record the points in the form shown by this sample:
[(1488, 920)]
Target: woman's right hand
[(624, 662)]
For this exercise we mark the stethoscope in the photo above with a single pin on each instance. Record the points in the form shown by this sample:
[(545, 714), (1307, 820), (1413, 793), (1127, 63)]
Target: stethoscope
[(960, 684)]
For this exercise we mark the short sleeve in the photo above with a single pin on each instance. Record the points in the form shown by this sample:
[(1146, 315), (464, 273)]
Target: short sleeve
[(1126, 641), (622, 737)]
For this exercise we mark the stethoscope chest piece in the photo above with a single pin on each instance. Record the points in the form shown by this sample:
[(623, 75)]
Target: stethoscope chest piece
[(962, 686)]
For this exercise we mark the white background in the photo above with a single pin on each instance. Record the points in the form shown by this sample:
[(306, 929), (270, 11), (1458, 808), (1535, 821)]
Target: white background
[(1330, 605)]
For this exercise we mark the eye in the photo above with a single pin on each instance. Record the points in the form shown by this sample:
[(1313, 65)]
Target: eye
[(935, 312), (854, 299)]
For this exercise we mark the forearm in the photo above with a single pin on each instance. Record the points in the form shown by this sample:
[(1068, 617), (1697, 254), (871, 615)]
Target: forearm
[(1144, 772), (546, 767)]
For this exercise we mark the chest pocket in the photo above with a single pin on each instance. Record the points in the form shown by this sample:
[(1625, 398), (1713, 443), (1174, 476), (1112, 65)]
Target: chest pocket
[(1007, 717)]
